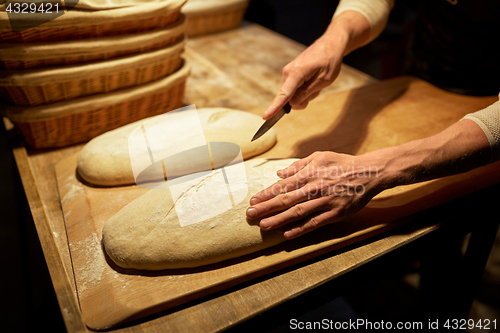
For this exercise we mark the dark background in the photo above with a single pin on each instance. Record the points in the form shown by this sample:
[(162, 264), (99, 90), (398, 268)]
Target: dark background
[(304, 21)]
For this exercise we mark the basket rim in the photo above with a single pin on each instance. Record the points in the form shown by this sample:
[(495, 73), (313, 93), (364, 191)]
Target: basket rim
[(41, 76), (210, 6), (40, 51), (60, 109), (109, 4), (78, 18)]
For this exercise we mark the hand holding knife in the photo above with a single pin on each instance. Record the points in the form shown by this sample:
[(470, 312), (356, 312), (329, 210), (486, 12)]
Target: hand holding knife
[(271, 121)]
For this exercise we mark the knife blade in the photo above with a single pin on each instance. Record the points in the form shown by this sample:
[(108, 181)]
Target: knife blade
[(271, 121)]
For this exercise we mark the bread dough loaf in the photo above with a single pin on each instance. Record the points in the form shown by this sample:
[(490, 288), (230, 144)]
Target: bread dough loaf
[(146, 234), (197, 7), (105, 159)]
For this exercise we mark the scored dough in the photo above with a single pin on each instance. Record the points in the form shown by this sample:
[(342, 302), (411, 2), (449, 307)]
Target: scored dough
[(105, 159), (146, 234)]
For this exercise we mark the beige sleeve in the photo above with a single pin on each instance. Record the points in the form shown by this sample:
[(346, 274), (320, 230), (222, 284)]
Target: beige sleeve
[(489, 121), (375, 11)]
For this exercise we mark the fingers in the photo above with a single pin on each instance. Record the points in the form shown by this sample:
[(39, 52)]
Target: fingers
[(304, 92), (297, 92), (282, 186), (311, 88), (284, 201), (285, 185), (290, 85), (295, 213), (303, 78), (293, 77), (304, 104), (311, 194), (293, 168), (312, 223)]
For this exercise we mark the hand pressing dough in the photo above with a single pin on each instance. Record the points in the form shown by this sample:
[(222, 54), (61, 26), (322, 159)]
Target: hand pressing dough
[(105, 159), (146, 234)]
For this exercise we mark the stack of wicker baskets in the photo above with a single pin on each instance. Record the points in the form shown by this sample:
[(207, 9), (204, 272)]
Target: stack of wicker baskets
[(92, 70), (208, 16)]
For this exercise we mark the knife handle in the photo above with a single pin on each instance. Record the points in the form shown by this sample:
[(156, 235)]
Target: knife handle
[(287, 108)]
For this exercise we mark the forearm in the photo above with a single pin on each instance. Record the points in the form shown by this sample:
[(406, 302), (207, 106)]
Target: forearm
[(313, 192), (460, 148), (319, 65), (347, 32), (375, 12), (356, 23)]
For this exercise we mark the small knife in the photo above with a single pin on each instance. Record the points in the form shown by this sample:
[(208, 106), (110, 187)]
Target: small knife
[(271, 121)]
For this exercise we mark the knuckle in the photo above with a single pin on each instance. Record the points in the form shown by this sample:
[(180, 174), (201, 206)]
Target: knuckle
[(283, 93), (302, 178), (284, 199), (299, 211), (313, 222)]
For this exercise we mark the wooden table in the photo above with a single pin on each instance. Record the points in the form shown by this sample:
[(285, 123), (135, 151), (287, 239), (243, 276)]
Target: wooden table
[(239, 69)]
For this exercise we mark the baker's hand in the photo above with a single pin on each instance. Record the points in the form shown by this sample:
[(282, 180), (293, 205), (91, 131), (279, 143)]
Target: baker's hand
[(322, 188), (319, 65), (303, 79)]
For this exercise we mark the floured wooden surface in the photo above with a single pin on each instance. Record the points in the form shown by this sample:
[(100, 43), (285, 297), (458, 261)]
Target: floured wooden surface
[(241, 69), (109, 294), (344, 122)]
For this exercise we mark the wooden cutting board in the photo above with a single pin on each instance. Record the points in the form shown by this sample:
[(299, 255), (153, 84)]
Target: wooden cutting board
[(355, 122)]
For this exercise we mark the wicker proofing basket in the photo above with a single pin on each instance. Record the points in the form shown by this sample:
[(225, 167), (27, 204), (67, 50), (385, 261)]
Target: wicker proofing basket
[(83, 24), (50, 85), (36, 55), (76, 121), (210, 16)]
